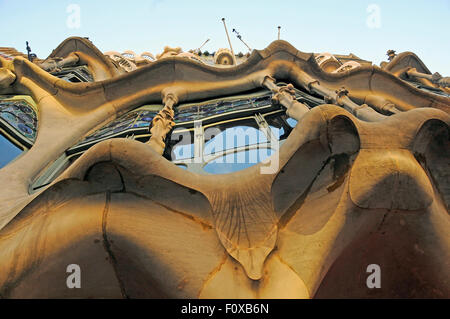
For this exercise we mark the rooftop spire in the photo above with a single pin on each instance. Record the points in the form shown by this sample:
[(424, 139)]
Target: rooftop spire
[(229, 41)]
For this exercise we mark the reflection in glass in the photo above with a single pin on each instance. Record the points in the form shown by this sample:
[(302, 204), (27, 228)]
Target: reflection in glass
[(277, 132), (278, 124), (181, 145), (8, 151), (237, 161), (292, 123)]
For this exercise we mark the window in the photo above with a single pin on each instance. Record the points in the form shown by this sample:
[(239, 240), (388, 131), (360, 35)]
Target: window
[(148, 57), (226, 135), (8, 151), (236, 136), (222, 108), (74, 74), (132, 124), (292, 123), (56, 168), (18, 118), (18, 126), (279, 124), (217, 136), (234, 162), (128, 55)]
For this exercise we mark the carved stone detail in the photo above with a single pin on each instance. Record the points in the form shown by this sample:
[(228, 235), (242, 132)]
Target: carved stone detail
[(162, 124), (6, 78)]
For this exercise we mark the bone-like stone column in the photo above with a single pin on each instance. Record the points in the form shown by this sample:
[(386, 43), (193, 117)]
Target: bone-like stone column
[(6, 78), (162, 123), (286, 96), (435, 78), (58, 63), (381, 104), (340, 98)]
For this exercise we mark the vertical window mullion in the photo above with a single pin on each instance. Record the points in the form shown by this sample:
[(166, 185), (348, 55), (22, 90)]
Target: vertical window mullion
[(199, 141)]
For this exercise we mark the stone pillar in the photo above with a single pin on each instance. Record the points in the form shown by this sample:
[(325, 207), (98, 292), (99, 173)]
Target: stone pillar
[(6, 78), (162, 124), (286, 96), (58, 63)]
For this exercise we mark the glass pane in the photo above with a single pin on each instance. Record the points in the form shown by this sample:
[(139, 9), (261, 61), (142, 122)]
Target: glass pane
[(262, 100), (138, 119), (420, 86), (145, 118), (8, 151), (291, 122), (278, 125), (20, 116), (278, 132), (182, 152), (201, 111), (231, 137), (181, 145), (237, 161)]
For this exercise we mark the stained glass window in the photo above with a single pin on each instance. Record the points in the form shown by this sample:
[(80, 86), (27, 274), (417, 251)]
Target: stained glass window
[(54, 170), (132, 123), (18, 117), (213, 110)]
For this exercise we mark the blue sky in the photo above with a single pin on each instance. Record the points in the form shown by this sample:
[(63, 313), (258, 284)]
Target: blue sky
[(311, 26), (8, 151)]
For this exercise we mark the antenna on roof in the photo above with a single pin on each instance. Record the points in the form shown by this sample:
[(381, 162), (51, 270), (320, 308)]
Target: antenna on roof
[(240, 38), (279, 28), (229, 41), (28, 51), (198, 50)]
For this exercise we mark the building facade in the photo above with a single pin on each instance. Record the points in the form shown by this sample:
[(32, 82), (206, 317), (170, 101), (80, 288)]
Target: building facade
[(283, 175)]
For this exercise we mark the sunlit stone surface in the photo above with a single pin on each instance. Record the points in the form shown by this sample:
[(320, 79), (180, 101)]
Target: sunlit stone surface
[(284, 176)]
